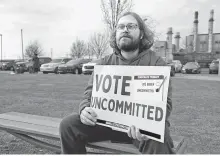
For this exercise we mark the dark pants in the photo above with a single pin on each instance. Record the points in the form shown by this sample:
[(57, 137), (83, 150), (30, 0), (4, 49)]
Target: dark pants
[(74, 135), (36, 70)]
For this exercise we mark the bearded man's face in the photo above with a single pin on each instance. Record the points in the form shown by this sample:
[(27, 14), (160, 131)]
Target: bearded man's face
[(127, 33)]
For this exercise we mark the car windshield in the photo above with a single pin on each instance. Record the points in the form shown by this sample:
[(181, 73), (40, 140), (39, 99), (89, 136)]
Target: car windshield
[(56, 61), (73, 62), (86, 60), (191, 65)]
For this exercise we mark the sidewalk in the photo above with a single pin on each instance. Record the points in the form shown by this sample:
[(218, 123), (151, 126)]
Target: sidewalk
[(199, 77), (11, 73), (4, 72)]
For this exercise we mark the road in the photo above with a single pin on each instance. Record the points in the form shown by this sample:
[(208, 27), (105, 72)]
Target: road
[(203, 76)]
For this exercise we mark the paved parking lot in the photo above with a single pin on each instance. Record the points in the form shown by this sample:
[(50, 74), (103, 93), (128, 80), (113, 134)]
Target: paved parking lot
[(203, 76), (199, 76)]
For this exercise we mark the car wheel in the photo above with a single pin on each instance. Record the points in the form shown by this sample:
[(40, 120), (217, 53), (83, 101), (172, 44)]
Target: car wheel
[(45, 72)]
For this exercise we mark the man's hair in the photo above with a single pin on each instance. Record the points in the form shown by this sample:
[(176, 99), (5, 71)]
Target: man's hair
[(148, 37)]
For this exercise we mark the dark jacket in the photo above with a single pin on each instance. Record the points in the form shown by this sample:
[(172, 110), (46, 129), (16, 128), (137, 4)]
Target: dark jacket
[(36, 62)]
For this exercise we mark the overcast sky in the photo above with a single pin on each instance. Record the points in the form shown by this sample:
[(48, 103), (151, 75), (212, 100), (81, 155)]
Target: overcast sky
[(57, 23)]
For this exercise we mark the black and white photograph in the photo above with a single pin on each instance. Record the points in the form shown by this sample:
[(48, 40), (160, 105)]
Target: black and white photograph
[(109, 77)]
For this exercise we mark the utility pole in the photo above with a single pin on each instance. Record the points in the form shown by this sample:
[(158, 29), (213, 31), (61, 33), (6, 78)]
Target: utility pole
[(51, 52), (22, 44), (1, 47)]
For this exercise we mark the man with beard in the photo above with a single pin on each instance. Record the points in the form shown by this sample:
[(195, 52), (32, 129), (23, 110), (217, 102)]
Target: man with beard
[(131, 42)]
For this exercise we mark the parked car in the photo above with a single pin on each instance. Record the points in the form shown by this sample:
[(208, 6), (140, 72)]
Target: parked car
[(191, 67), (20, 67), (73, 66), (42, 60), (88, 68), (1, 65), (172, 70), (214, 67), (177, 65), (52, 67), (8, 65)]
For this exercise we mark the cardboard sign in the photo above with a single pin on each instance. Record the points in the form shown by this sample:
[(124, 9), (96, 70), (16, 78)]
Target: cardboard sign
[(123, 96)]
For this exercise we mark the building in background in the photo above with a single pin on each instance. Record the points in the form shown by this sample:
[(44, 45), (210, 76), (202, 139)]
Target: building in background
[(202, 48), (203, 43), (165, 49)]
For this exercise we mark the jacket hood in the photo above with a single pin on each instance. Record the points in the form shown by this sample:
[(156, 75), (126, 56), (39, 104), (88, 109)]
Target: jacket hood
[(140, 55)]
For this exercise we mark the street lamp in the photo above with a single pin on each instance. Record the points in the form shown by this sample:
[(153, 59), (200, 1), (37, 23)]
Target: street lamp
[(1, 47)]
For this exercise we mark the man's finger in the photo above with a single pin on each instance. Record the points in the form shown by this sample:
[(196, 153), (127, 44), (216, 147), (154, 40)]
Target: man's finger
[(87, 121), (138, 135), (133, 132), (144, 137), (91, 111), (86, 114), (129, 132), (82, 120)]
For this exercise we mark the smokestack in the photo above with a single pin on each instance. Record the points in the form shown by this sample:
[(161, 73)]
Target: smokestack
[(177, 41), (210, 31), (169, 52), (195, 31)]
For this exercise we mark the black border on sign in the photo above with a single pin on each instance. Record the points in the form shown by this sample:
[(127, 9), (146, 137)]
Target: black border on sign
[(141, 130)]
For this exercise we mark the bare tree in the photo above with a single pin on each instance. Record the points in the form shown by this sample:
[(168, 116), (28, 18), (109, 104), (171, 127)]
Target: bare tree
[(78, 49), (98, 44), (112, 9), (89, 51), (33, 48), (152, 25)]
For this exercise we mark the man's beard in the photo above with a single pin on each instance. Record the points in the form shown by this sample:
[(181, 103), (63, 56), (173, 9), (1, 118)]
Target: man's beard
[(128, 46)]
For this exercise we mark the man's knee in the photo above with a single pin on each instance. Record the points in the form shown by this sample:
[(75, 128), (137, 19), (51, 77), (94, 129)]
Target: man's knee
[(69, 122)]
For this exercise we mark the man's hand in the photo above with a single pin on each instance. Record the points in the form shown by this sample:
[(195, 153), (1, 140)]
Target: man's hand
[(134, 133), (88, 116)]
